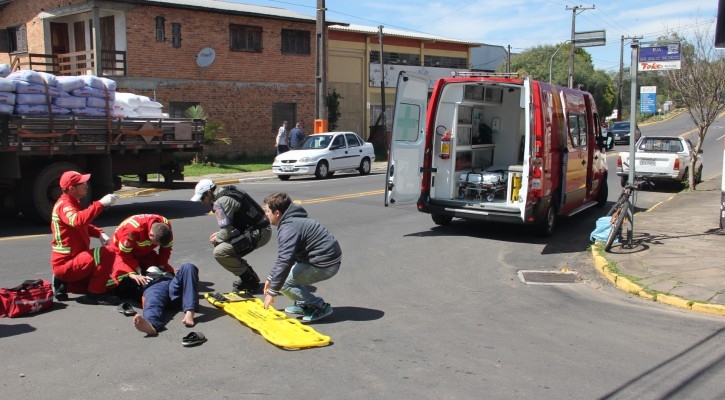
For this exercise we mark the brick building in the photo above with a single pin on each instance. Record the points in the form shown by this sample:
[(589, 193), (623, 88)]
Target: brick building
[(249, 67)]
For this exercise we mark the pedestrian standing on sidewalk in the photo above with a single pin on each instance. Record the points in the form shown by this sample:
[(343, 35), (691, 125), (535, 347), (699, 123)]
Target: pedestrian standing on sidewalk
[(307, 253), (282, 138), (296, 135)]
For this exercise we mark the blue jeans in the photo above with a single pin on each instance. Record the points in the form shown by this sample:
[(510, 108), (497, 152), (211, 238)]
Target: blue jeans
[(181, 290), (306, 274)]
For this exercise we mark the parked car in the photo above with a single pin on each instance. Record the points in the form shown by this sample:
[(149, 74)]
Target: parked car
[(323, 154), (661, 158), (620, 132)]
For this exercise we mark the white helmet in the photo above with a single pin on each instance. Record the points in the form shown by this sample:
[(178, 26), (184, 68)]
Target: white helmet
[(202, 187)]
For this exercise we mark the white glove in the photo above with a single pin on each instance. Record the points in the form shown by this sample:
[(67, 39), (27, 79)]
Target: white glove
[(105, 240), (108, 200)]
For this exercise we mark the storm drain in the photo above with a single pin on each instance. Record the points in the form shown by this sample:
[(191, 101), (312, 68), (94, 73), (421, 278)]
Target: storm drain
[(547, 277)]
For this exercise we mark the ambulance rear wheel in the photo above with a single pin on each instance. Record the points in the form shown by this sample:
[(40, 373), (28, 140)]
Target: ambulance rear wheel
[(441, 219), (546, 227), (603, 194)]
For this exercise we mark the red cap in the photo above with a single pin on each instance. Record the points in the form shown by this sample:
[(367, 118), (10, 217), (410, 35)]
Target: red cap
[(72, 178)]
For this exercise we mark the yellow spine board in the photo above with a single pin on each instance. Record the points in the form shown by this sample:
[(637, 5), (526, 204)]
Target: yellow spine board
[(273, 325)]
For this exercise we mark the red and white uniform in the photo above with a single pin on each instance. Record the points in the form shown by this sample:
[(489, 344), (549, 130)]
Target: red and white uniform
[(71, 257), (134, 248)]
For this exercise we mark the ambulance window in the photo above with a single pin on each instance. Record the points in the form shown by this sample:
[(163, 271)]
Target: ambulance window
[(407, 120), (578, 130)]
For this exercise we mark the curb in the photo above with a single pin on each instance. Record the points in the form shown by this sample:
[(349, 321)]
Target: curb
[(624, 284)]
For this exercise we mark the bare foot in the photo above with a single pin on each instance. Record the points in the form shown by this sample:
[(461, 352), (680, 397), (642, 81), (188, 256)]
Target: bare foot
[(144, 326), (188, 318)]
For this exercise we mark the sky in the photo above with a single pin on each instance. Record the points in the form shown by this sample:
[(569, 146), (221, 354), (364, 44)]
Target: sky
[(524, 24)]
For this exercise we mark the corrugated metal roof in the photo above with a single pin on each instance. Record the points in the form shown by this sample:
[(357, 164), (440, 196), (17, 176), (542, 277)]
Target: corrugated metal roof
[(373, 30), (216, 5)]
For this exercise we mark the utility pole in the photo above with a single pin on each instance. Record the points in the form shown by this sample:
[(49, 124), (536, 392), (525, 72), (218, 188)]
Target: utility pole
[(382, 88), (573, 41), (621, 73), (321, 78)]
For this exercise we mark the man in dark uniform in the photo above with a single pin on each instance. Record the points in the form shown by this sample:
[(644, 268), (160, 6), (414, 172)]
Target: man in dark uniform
[(243, 227)]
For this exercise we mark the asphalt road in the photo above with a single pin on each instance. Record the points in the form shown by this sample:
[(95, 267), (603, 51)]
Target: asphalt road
[(421, 312)]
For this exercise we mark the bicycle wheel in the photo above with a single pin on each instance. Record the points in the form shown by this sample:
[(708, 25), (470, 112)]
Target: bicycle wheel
[(616, 226)]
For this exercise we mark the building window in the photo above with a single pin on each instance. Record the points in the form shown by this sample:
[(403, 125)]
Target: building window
[(295, 42), (395, 58), (245, 38), (176, 35), (14, 40), (177, 109), (445, 62), (283, 112), (160, 29)]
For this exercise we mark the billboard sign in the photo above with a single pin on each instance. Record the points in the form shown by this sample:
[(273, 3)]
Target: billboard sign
[(658, 56), (590, 38), (648, 99)]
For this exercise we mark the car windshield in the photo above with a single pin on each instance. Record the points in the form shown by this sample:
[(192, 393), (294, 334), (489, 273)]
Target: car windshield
[(619, 126), (315, 142)]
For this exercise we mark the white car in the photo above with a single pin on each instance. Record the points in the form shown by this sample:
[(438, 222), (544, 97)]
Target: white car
[(322, 154), (661, 158)]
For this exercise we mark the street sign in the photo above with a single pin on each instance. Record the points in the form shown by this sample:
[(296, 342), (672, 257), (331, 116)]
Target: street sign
[(648, 99), (590, 38), (658, 56)]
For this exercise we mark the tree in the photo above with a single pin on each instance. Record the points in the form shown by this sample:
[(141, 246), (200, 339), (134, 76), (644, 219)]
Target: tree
[(699, 81), (536, 63), (211, 129), (333, 109)]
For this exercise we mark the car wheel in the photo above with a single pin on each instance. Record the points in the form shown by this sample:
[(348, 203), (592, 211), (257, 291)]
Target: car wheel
[(698, 175), (623, 181), (322, 170), (439, 219), (283, 177), (364, 166)]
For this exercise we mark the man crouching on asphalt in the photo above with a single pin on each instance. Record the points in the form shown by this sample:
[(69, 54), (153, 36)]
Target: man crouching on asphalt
[(307, 253)]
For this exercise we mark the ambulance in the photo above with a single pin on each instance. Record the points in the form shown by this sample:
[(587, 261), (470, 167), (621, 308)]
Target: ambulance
[(495, 147)]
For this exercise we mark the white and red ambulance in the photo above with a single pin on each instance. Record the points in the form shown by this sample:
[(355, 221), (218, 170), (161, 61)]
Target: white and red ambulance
[(495, 147)]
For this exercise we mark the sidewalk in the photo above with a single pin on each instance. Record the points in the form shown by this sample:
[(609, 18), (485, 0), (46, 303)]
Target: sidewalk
[(678, 254), (677, 258)]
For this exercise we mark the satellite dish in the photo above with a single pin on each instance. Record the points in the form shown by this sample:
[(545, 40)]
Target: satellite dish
[(205, 57)]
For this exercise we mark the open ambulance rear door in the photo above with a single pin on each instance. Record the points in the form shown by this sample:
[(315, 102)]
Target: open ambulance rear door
[(407, 144)]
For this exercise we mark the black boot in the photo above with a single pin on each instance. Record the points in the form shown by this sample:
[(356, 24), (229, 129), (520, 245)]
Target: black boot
[(60, 289), (248, 282)]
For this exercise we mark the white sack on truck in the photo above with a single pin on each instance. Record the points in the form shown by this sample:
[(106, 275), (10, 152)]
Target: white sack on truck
[(6, 109), (99, 83), (89, 112), (4, 70), (37, 109), (69, 83), (7, 85), (88, 91), (33, 77), (7, 98), (131, 100), (70, 102), (29, 87)]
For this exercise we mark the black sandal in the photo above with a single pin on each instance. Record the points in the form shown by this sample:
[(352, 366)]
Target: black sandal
[(193, 339), (126, 309)]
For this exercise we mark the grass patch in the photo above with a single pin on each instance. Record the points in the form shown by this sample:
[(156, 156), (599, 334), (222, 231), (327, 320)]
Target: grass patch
[(228, 166)]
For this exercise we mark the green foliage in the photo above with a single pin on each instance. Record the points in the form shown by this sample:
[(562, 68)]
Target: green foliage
[(211, 129), (333, 109), (536, 61)]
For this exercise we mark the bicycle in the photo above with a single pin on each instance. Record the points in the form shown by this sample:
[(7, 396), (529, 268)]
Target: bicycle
[(622, 213)]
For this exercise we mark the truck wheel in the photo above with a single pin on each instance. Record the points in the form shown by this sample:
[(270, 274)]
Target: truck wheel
[(441, 219), (698, 175), (623, 181), (603, 194), (322, 170), (40, 195)]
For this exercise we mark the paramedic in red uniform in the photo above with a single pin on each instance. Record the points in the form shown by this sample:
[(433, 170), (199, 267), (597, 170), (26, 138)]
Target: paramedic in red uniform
[(135, 242), (76, 267)]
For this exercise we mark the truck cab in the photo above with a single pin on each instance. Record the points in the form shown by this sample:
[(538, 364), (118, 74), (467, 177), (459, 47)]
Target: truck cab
[(495, 147)]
